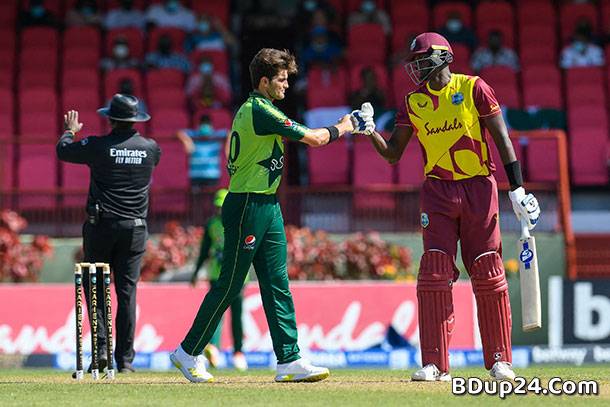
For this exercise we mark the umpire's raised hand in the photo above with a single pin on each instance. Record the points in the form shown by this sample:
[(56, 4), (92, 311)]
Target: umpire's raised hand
[(71, 123)]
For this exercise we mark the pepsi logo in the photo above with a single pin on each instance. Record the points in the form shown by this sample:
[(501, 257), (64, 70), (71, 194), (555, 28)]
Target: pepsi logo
[(250, 239), (287, 123)]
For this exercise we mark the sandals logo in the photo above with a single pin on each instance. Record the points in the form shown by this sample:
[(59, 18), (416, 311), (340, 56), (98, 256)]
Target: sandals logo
[(455, 125)]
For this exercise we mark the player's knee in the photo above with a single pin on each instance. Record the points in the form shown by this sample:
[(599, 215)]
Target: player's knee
[(437, 271), (487, 274)]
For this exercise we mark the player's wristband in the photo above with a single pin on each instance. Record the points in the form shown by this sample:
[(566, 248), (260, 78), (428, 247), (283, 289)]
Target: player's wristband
[(73, 134), (334, 133), (513, 172)]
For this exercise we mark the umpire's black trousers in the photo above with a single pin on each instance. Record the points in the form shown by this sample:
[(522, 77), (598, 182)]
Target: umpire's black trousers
[(122, 244)]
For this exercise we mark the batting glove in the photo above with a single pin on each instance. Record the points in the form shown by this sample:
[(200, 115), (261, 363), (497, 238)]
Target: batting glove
[(362, 119), (525, 206)]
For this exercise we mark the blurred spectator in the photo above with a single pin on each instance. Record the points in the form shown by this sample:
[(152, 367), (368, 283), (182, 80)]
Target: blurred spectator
[(369, 92), (312, 13), (164, 57), (495, 54), (126, 87), (321, 50), (37, 15), (171, 14), (204, 145), (125, 16), (582, 51), (120, 58), (210, 34), (208, 88), (456, 32), (85, 12), (369, 13)]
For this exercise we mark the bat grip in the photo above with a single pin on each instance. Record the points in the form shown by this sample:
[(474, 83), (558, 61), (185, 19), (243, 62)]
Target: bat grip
[(525, 231)]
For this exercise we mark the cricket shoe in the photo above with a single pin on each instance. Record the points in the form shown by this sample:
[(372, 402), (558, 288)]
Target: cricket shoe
[(240, 362), (212, 354), (192, 367), (430, 373), (300, 371), (502, 371)]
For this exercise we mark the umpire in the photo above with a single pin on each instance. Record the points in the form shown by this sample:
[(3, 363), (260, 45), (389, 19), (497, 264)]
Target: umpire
[(121, 165)]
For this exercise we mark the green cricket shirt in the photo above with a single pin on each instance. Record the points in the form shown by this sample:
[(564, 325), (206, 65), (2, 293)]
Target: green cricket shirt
[(256, 156)]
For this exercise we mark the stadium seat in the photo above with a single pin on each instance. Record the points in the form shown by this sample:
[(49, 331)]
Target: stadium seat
[(165, 122), (88, 58), (6, 114), (401, 85), (177, 35), (134, 37), (461, 59), (225, 178), (84, 99), (380, 71), (369, 169), (220, 118), (329, 165), (82, 37), (571, 14), (37, 100), (39, 126), (542, 86), (7, 166), (8, 40), (537, 54), (537, 35), (164, 78), (37, 175), (219, 58), (8, 14), (366, 44), (79, 78), (74, 184), (588, 154), (39, 37), (441, 13), (506, 28), (33, 58), (216, 8), (535, 13), (92, 123), (114, 78), (408, 17), (326, 88), (166, 98), (411, 166), (54, 6), (577, 76), (584, 86), (542, 163), (500, 173), (402, 37), (504, 82), (495, 15), (170, 179)]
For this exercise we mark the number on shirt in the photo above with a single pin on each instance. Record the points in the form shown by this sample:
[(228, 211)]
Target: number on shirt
[(234, 147)]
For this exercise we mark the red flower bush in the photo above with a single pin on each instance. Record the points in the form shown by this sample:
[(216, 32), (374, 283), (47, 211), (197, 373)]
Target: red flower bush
[(176, 247), (20, 262)]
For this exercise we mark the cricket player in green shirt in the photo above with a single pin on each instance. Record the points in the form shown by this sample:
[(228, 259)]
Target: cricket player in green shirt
[(253, 223), (212, 246)]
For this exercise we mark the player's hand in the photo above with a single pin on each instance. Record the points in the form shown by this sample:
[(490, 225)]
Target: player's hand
[(362, 119), (71, 121), (345, 123), (525, 206)]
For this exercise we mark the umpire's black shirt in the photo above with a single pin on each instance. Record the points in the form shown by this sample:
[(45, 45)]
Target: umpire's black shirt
[(121, 166)]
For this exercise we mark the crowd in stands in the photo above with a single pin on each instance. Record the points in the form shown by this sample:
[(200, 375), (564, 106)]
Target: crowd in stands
[(544, 59)]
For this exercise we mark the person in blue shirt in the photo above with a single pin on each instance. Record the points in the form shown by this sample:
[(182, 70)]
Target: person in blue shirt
[(210, 35), (204, 145)]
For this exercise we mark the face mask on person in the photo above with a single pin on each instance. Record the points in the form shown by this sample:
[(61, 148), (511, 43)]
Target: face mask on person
[(204, 27), (120, 51), (454, 25), (205, 129), (206, 68), (310, 5), (579, 46), (37, 11), (368, 6), (172, 6)]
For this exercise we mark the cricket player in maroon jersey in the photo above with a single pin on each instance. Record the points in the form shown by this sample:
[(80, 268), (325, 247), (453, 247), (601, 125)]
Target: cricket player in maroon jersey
[(450, 114)]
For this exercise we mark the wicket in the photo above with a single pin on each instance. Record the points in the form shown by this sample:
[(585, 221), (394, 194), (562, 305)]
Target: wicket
[(92, 309)]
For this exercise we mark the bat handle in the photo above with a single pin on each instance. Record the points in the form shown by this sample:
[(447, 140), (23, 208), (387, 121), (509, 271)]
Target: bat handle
[(525, 231)]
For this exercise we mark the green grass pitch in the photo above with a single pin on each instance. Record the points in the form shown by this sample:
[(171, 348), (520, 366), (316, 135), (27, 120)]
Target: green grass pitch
[(30, 387)]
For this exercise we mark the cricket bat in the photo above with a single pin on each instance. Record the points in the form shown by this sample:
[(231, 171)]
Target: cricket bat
[(531, 313)]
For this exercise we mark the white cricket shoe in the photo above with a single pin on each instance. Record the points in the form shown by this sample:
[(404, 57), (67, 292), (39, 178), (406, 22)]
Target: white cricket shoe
[(239, 361), (430, 373), (300, 371), (502, 371), (192, 367)]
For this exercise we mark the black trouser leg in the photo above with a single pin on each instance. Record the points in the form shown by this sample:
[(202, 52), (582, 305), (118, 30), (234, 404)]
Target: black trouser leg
[(127, 259)]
